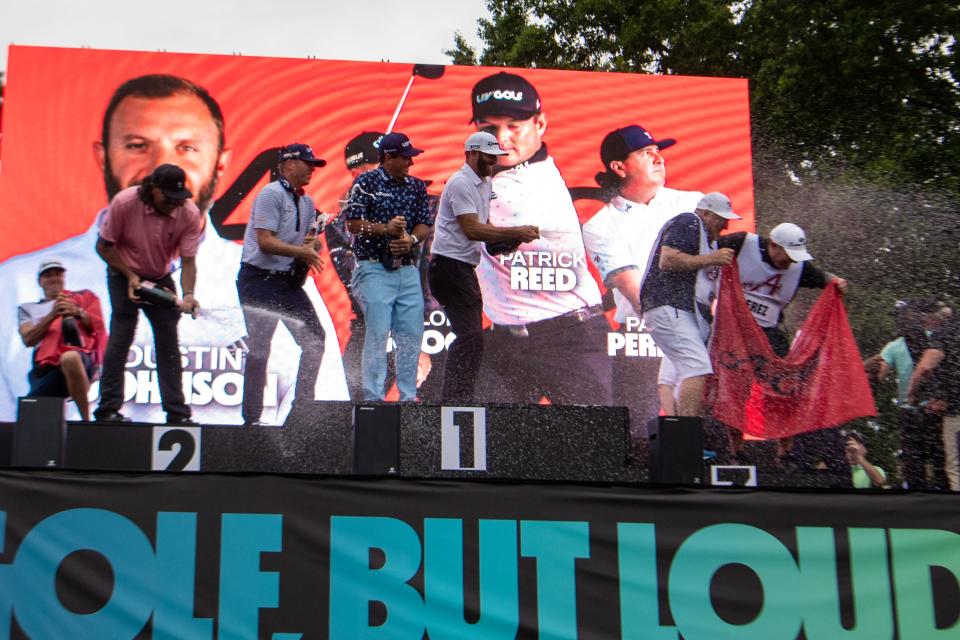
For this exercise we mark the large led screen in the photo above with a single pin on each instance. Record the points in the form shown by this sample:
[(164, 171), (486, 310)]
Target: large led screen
[(56, 171)]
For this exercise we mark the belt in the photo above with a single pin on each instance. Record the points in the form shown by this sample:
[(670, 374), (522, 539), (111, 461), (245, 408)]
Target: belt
[(405, 261), (113, 272), (255, 270), (551, 324)]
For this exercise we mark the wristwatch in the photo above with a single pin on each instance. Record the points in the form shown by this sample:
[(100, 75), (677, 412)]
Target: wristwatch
[(416, 240)]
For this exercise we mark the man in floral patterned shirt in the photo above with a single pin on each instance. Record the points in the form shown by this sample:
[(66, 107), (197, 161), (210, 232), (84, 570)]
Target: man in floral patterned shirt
[(388, 214)]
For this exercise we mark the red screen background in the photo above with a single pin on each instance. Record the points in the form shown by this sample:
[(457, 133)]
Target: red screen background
[(51, 186)]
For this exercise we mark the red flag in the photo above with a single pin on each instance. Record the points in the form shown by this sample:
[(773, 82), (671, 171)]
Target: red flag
[(820, 384)]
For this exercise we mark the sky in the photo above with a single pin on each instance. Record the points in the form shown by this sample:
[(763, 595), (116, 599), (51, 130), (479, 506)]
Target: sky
[(408, 31)]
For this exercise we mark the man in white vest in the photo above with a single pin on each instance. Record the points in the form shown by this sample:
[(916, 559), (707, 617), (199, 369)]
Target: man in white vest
[(771, 271)]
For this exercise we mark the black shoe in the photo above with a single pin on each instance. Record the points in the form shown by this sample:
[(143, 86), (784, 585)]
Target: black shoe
[(255, 423), (174, 418), (110, 416)]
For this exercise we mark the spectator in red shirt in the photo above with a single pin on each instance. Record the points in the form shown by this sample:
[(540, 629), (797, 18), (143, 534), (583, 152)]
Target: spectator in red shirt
[(66, 329)]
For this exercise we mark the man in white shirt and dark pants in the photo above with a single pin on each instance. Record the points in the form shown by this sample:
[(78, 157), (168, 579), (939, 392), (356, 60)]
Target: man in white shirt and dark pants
[(461, 227)]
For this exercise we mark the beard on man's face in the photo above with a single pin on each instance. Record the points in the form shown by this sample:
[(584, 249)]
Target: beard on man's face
[(204, 197), (485, 164)]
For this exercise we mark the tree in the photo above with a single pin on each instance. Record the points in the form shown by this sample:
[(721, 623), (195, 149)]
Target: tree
[(861, 86), (606, 35)]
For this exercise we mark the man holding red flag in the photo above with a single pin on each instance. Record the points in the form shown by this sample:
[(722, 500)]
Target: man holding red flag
[(820, 383), (771, 272)]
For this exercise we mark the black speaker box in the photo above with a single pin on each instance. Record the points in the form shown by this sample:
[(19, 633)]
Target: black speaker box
[(676, 450), (40, 433), (376, 439)]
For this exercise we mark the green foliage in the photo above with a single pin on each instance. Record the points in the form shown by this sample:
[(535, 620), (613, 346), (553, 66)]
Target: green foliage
[(866, 86), (658, 36)]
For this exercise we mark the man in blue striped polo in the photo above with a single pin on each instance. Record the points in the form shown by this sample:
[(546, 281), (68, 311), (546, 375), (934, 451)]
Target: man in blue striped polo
[(278, 233)]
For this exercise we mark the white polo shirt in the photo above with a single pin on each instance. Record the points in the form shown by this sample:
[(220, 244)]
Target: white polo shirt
[(465, 192), (545, 278), (623, 234)]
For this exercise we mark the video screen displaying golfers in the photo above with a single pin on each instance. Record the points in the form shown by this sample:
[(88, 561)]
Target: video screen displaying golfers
[(74, 137)]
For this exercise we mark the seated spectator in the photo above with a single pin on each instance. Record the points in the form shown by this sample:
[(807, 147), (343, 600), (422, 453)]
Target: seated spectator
[(66, 327), (863, 474)]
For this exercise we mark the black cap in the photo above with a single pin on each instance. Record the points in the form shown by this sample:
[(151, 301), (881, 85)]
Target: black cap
[(620, 143), (504, 94), (300, 151), (172, 181), (363, 149)]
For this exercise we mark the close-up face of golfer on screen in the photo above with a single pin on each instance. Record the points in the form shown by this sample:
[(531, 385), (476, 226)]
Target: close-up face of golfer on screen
[(508, 106), (163, 120)]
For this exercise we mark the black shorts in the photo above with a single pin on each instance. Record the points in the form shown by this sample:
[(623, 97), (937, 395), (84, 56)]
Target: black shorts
[(47, 381)]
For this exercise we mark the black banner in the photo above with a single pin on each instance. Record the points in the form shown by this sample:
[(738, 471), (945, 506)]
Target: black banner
[(204, 556), (526, 442)]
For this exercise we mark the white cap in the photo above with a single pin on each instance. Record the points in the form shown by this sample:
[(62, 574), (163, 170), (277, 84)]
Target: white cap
[(791, 238), (485, 142), (50, 264), (719, 204)]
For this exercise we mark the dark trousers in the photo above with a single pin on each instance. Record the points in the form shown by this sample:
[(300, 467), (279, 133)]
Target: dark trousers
[(267, 299), (563, 360), (454, 284), (820, 448), (123, 326), (922, 442), (778, 341), (48, 381)]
